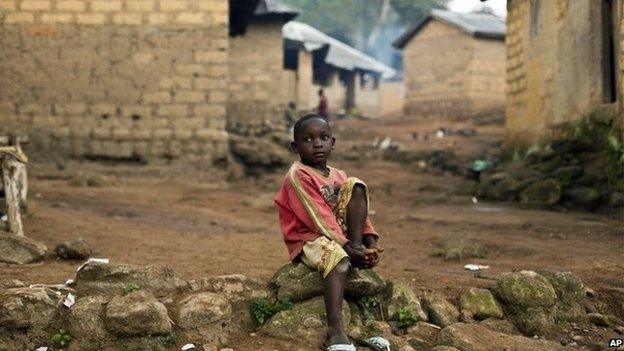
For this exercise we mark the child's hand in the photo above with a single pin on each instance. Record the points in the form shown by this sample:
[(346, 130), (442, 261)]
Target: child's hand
[(371, 243), (360, 256)]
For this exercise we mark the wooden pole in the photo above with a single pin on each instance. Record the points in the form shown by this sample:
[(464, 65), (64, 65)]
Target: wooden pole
[(10, 167)]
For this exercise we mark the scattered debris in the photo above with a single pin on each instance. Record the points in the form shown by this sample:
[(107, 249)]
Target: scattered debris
[(69, 301), (93, 261), (4, 218), (42, 348), (476, 267), (76, 249), (188, 347), (475, 200)]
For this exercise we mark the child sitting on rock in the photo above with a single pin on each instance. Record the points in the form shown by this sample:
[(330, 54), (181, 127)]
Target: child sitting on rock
[(324, 219)]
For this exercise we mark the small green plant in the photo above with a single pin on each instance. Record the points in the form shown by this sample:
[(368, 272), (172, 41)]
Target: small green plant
[(262, 309), (170, 340), (368, 305), (131, 288), (62, 338), (405, 317)]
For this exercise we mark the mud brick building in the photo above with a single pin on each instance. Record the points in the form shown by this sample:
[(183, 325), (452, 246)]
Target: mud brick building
[(454, 65), (564, 59), (259, 87), (350, 78)]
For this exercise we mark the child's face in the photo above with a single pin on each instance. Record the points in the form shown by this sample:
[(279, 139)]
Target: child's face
[(314, 142)]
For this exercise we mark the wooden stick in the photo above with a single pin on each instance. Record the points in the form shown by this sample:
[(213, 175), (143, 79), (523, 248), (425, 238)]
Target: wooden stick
[(10, 168)]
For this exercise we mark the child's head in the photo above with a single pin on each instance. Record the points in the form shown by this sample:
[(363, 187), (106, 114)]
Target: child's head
[(321, 92), (313, 140)]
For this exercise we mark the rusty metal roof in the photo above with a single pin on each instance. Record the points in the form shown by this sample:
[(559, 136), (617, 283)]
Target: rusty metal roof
[(477, 24), (339, 54)]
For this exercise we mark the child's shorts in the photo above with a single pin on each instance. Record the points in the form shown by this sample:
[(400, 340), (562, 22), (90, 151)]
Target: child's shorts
[(322, 254)]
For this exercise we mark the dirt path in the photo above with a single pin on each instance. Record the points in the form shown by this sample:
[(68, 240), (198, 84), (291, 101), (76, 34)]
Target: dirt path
[(205, 228)]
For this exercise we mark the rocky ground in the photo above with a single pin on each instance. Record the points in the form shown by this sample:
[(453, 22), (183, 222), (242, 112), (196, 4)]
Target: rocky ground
[(203, 227)]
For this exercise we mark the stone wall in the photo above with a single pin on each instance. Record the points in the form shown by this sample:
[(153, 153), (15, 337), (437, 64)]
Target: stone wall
[(554, 76), (445, 75), (260, 87), (112, 78)]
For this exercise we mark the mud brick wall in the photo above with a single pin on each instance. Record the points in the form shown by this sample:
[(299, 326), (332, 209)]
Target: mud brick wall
[(113, 78), (554, 77), (260, 88), (446, 75)]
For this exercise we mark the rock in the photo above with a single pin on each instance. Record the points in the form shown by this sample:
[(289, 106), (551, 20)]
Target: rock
[(404, 297), (529, 300), (256, 152), (457, 251), (379, 328), (567, 174), (86, 318), (201, 309), (570, 295), (299, 282), (113, 279), (407, 348), (584, 197), (424, 331), (617, 200), (236, 287), (304, 323), (137, 313), (467, 188), (500, 186), (473, 337), (22, 308), (500, 325), (480, 304), (76, 249), (440, 311), (444, 348), (542, 192), (20, 249)]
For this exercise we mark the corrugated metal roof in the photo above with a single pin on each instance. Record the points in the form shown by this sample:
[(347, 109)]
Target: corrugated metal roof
[(266, 7), (478, 24), (339, 54)]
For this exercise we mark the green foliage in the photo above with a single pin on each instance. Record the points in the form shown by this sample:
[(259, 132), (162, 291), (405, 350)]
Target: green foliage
[(131, 288), (605, 135), (61, 339), (170, 340), (406, 317), (368, 305), (262, 309)]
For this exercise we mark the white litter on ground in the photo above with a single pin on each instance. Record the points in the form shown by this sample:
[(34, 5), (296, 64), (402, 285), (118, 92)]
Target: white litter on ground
[(474, 200), (475, 267), (69, 301), (188, 347), (4, 218), (92, 260), (69, 282), (42, 348)]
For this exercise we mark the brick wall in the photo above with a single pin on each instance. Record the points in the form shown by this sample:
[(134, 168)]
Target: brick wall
[(554, 77), (439, 61), (113, 78), (259, 85)]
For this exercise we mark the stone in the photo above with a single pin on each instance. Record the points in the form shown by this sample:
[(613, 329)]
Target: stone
[(529, 300), (584, 197), (86, 318), (570, 295), (20, 249), (500, 186), (439, 310), (255, 152), (599, 319), (26, 308), (235, 287), (298, 282), (404, 298), (474, 337), (424, 331), (112, 279), (379, 328), (444, 348), (138, 313), (201, 309), (567, 174), (500, 325), (305, 323), (407, 348), (480, 303), (76, 249), (467, 188), (617, 200), (460, 250), (542, 192)]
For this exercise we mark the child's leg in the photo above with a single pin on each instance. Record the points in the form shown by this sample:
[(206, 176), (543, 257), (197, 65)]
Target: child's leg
[(333, 292), (357, 210)]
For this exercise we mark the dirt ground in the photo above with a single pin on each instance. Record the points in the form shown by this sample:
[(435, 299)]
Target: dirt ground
[(203, 226)]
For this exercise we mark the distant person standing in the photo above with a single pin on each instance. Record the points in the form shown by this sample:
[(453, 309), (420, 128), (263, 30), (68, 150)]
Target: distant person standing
[(323, 109)]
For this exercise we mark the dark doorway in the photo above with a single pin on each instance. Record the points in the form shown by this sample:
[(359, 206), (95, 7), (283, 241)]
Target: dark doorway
[(609, 90)]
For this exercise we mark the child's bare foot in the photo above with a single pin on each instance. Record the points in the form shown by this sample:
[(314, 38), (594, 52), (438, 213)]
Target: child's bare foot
[(337, 336)]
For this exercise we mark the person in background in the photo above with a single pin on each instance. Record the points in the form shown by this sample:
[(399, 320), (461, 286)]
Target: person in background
[(323, 108)]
